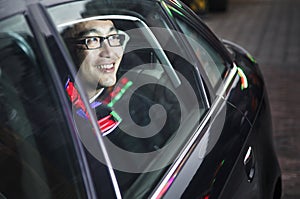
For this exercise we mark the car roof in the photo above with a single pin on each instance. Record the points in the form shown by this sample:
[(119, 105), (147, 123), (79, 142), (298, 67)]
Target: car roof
[(11, 7)]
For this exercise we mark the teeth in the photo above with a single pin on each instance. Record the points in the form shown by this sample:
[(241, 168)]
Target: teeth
[(105, 66)]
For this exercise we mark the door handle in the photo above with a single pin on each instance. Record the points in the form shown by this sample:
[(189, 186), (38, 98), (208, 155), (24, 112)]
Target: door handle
[(249, 164)]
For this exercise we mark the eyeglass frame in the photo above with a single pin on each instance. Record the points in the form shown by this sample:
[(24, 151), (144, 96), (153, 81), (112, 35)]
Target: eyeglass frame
[(83, 41)]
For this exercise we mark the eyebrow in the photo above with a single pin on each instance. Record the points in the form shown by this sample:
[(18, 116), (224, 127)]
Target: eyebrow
[(86, 32)]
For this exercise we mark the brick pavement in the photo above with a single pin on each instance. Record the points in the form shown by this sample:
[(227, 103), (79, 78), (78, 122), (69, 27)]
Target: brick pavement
[(270, 31)]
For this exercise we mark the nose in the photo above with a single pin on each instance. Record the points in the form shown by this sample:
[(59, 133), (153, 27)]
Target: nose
[(106, 50)]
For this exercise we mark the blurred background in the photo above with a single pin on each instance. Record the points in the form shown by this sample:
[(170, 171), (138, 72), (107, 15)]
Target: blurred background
[(270, 31)]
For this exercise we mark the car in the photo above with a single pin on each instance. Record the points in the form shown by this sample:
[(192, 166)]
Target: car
[(188, 115)]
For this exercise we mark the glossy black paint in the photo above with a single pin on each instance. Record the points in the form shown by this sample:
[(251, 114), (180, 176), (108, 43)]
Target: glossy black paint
[(248, 124), (212, 175), (253, 103)]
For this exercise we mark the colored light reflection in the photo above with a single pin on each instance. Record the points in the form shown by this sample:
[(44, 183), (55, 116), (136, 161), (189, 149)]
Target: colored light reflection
[(166, 187), (119, 94), (206, 197), (167, 9), (244, 80), (175, 10), (177, 3), (251, 58)]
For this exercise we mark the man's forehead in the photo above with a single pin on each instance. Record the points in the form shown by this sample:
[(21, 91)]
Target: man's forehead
[(95, 26)]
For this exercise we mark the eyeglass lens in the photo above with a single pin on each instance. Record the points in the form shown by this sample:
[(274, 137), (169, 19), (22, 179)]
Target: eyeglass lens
[(97, 41)]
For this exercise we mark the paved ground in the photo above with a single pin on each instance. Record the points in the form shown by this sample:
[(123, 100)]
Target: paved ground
[(270, 30)]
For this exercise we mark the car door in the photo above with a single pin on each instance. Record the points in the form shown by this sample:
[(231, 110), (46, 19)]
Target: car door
[(218, 148), (205, 156)]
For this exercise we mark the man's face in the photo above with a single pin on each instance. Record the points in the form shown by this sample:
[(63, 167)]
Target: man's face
[(98, 67)]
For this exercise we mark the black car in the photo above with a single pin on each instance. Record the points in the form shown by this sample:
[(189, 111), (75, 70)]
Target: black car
[(188, 115)]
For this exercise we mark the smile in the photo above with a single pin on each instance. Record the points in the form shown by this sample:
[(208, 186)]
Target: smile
[(105, 66)]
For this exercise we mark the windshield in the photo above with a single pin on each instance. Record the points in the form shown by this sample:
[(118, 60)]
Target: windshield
[(140, 83)]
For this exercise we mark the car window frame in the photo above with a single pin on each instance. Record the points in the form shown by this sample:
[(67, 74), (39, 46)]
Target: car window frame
[(196, 23)]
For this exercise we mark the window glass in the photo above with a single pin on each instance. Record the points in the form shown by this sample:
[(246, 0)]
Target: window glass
[(37, 157), (211, 61), (153, 102)]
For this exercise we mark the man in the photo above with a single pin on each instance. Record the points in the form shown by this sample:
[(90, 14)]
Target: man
[(97, 48)]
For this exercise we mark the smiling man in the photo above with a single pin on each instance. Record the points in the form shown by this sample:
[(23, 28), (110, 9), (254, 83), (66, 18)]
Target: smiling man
[(97, 48)]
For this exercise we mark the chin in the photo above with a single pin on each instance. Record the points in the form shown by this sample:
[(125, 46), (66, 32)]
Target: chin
[(107, 83)]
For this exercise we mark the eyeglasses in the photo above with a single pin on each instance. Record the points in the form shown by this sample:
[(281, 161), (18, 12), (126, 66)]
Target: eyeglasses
[(95, 42)]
